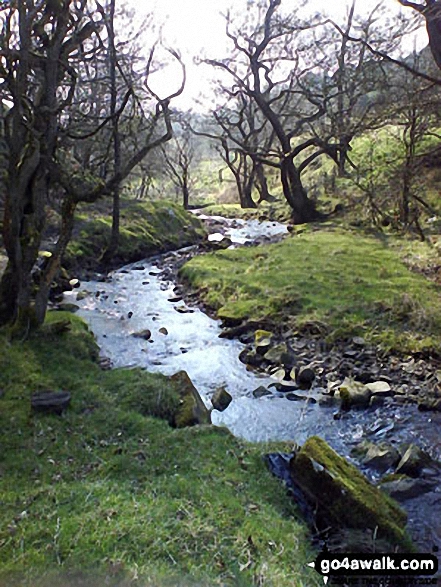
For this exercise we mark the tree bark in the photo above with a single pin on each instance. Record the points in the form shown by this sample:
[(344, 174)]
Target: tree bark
[(303, 209)]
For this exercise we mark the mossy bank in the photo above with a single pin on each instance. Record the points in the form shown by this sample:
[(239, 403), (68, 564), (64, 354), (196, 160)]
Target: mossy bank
[(109, 492), (347, 284), (146, 228)]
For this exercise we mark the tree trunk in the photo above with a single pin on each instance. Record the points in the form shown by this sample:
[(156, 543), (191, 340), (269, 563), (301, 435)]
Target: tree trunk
[(53, 266), (185, 196), (303, 209), (112, 64), (262, 185), (24, 220)]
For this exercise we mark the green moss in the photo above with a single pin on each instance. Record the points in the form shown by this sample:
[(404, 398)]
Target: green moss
[(351, 284), (347, 499), (110, 492), (146, 228)]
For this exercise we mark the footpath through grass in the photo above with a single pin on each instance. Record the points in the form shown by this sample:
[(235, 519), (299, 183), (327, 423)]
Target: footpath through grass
[(347, 283), (110, 493)]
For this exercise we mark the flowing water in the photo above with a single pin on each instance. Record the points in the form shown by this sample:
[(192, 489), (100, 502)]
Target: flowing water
[(137, 298)]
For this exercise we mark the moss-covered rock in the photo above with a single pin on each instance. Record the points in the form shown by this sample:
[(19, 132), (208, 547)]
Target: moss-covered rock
[(342, 496), (191, 410)]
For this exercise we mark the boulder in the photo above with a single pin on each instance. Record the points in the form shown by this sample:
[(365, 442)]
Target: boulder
[(354, 394), (342, 496), (221, 399), (192, 409), (413, 461), (50, 402)]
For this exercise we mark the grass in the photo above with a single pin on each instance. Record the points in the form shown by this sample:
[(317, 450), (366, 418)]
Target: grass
[(352, 284), (147, 228), (110, 493)]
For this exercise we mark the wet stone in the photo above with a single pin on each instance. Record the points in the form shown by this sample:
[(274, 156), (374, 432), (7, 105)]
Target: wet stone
[(221, 399), (403, 488), (144, 334), (261, 392), (413, 461), (305, 378)]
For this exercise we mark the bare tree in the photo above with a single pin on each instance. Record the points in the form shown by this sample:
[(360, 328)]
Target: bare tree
[(270, 66), (179, 156), (41, 48), (431, 10)]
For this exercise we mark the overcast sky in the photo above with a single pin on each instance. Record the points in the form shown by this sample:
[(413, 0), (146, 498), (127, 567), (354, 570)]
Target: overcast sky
[(197, 29)]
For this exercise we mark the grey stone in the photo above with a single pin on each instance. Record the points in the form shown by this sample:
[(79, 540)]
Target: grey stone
[(261, 392), (413, 461), (404, 488), (144, 334), (381, 457), (221, 399)]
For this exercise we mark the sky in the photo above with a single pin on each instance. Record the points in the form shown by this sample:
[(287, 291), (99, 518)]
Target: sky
[(197, 29)]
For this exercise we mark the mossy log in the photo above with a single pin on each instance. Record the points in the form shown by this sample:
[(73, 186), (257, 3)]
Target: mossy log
[(343, 497)]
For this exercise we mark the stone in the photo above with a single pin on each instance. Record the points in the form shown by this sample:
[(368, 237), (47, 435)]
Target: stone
[(82, 295), (250, 358), (413, 461), (163, 331), (262, 341), (342, 497), (376, 401), (401, 487), (192, 410), (261, 392), (430, 405), (327, 401), (381, 456), (144, 334), (284, 386), (276, 354), (380, 388), (294, 397), (50, 402), (354, 394), (221, 399), (305, 378), (67, 307), (184, 310)]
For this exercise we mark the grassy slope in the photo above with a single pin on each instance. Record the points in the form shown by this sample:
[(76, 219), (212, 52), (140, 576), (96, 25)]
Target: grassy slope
[(147, 228), (108, 493), (352, 283)]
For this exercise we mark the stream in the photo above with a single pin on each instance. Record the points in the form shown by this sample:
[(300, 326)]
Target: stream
[(137, 297)]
